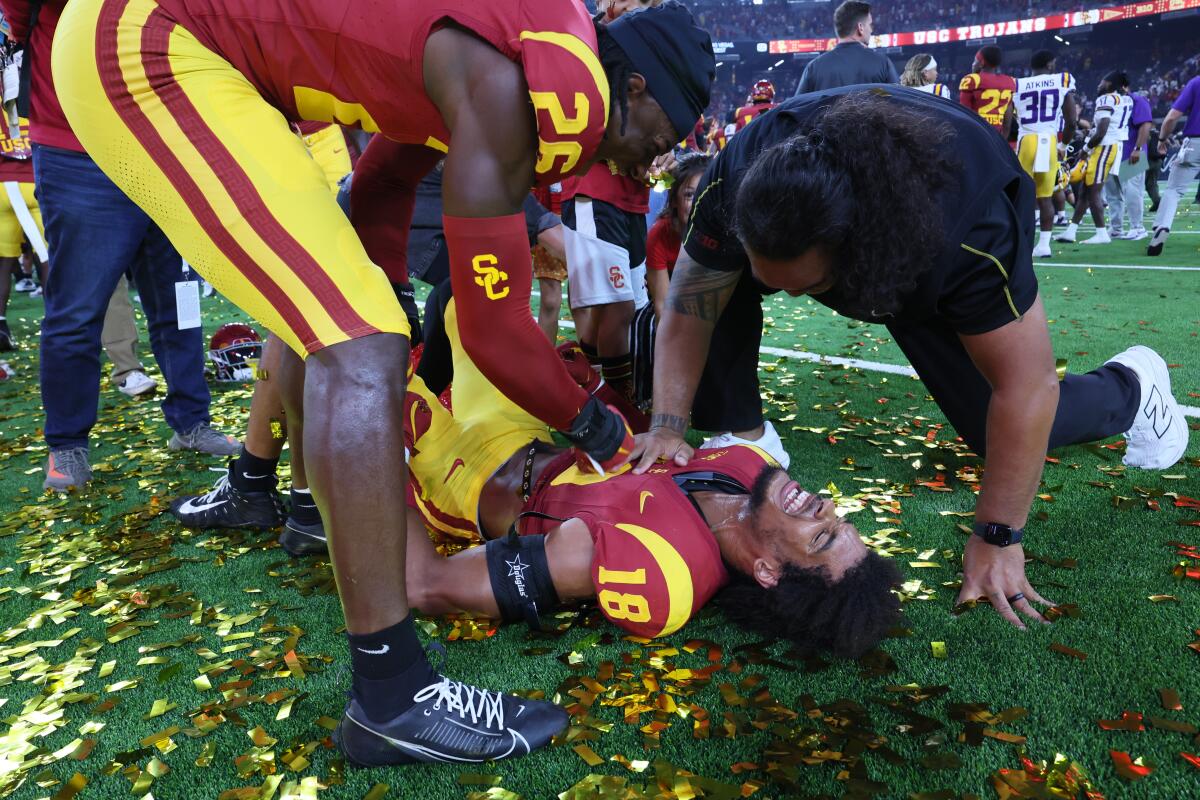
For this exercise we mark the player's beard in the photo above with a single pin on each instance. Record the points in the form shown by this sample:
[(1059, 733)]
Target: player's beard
[(758, 492)]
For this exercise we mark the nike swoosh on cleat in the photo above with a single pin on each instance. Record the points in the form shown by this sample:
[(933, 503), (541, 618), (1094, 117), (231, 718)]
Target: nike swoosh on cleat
[(435, 755), (255, 477), (378, 652), (192, 507)]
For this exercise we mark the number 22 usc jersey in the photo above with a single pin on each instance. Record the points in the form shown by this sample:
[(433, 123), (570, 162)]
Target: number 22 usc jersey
[(988, 95), (1039, 108), (656, 562)]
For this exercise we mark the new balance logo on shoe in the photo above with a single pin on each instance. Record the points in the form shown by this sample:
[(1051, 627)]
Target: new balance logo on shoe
[(1157, 412)]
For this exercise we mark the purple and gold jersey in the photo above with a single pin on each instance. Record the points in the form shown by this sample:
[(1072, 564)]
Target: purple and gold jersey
[(656, 561)]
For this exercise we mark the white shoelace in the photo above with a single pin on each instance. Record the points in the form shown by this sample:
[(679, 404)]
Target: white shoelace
[(464, 699), (221, 483)]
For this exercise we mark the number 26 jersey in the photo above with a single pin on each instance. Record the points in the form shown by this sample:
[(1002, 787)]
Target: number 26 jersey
[(1039, 102)]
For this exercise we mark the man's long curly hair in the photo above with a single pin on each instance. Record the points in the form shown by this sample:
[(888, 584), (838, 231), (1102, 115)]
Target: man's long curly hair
[(848, 617), (863, 181)]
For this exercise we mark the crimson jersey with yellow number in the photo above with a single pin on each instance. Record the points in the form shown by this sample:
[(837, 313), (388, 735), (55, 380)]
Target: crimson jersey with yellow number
[(988, 94), (747, 114), (655, 562), (359, 63)]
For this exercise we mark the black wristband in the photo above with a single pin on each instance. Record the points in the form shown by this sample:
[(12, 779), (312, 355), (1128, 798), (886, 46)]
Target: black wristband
[(597, 431)]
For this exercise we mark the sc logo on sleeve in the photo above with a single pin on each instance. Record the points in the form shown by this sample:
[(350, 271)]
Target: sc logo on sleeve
[(489, 276)]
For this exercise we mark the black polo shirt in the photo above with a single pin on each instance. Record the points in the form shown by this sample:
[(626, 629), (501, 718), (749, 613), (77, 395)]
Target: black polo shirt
[(848, 63), (983, 277)]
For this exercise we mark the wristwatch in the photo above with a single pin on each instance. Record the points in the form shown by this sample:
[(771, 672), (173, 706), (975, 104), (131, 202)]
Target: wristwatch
[(998, 533)]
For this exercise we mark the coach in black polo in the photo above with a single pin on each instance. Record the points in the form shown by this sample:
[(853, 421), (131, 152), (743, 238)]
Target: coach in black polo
[(852, 61), (890, 205)]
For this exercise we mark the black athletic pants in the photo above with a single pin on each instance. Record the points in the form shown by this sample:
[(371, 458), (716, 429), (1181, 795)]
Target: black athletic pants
[(1092, 406)]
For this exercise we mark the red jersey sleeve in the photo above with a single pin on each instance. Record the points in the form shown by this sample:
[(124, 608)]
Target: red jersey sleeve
[(654, 571), (968, 91), (570, 94)]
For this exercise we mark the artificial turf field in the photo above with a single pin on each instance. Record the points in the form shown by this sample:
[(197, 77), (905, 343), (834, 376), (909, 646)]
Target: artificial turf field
[(138, 658)]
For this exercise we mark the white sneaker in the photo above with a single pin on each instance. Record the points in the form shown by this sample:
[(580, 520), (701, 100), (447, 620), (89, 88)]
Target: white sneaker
[(137, 383), (1099, 237), (769, 443), (25, 285), (37, 292), (1135, 235), (1067, 236), (1042, 251), (1159, 435)]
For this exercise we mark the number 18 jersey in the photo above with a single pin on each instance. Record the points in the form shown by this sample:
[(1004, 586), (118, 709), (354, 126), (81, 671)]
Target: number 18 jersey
[(1039, 102)]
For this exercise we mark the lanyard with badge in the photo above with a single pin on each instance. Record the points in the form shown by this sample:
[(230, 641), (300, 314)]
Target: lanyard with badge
[(187, 299)]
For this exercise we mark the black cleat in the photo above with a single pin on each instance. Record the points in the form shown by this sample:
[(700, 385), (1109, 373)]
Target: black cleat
[(450, 722), (227, 507), (6, 340), (301, 540)]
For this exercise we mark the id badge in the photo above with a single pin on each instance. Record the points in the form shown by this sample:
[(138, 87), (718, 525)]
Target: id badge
[(187, 304)]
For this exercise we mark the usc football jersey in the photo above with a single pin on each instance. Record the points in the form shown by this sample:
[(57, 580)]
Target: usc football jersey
[(1117, 108), (656, 562), (988, 94), (359, 63), (16, 155), (1039, 102), (747, 114)]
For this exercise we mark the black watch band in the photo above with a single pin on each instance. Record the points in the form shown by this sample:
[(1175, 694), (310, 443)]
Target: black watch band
[(998, 534)]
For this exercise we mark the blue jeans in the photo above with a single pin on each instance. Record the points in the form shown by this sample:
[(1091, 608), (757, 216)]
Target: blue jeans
[(95, 234)]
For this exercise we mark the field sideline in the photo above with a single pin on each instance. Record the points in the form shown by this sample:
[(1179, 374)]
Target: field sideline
[(141, 659)]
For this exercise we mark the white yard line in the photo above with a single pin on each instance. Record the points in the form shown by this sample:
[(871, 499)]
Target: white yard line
[(1139, 267)]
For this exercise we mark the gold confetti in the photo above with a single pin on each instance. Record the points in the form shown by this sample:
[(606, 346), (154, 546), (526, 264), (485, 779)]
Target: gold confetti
[(939, 649), (588, 755)]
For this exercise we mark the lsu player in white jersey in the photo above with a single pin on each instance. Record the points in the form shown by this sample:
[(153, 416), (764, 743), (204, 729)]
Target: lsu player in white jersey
[(1114, 107), (1044, 105), (921, 72)]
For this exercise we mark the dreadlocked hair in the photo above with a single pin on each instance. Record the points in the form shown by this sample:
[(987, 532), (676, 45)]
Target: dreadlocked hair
[(861, 182), (617, 68), (848, 617)]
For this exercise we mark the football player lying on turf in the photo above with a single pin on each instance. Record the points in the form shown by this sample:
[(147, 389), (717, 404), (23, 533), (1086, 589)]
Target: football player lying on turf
[(652, 549)]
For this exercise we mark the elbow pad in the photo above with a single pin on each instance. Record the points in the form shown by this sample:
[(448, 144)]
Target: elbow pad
[(491, 272)]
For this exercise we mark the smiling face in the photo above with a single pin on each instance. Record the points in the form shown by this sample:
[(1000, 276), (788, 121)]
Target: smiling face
[(648, 132), (791, 526), (811, 272)]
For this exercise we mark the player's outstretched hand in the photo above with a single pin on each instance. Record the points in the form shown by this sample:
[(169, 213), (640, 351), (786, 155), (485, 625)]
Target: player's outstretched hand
[(998, 573), (660, 444)]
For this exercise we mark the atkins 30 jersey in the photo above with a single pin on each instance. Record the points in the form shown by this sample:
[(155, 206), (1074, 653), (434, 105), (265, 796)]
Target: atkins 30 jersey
[(1117, 108), (1039, 102)]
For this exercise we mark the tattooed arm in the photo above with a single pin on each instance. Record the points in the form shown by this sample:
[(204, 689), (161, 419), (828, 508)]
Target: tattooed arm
[(695, 301)]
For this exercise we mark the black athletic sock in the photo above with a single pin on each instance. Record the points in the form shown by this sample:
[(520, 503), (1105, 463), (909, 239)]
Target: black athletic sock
[(304, 508), (389, 667), (593, 356), (253, 474), (618, 373)]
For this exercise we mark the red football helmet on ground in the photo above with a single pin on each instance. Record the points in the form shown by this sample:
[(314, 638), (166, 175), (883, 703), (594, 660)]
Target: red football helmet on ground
[(763, 92), (233, 347)]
